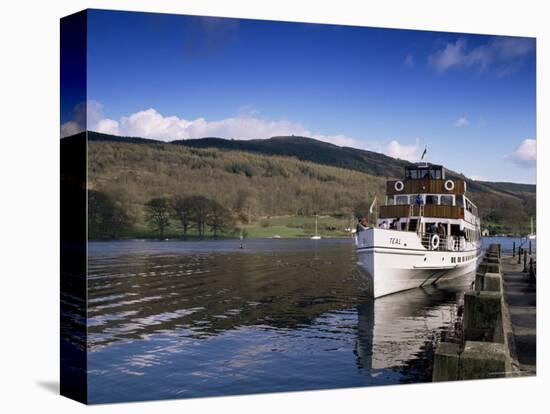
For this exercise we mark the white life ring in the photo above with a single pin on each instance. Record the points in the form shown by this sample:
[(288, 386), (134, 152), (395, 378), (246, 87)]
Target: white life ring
[(399, 186), (449, 185), (434, 241)]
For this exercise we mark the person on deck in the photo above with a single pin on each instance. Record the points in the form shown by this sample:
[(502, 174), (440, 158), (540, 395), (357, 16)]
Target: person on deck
[(362, 225), (441, 231)]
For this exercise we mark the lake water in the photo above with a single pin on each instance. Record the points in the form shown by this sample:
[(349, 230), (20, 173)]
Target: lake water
[(194, 319), (507, 243)]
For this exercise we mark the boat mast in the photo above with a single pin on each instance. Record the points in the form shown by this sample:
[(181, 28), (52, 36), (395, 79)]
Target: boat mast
[(315, 224)]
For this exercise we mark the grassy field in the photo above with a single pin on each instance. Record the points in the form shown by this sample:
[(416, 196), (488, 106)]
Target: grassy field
[(284, 226), (299, 226)]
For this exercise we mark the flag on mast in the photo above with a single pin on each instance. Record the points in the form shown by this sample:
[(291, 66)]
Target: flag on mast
[(424, 153), (371, 209)]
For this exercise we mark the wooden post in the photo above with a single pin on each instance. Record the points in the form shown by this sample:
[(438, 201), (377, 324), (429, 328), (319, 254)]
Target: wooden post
[(519, 255), (514, 250), (529, 247), (525, 261)]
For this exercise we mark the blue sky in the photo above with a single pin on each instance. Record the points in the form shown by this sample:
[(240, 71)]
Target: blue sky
[(470, 98)]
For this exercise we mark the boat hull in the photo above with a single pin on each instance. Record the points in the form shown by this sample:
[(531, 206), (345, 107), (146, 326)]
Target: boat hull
[(396, 262)]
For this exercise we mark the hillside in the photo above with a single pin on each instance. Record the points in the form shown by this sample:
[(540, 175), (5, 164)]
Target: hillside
[(277, 176)]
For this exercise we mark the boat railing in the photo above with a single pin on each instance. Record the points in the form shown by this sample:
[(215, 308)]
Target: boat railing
[(443, 243)]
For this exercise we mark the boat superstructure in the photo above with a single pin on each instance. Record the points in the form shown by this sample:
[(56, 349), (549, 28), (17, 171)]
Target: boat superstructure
[(427, 231)]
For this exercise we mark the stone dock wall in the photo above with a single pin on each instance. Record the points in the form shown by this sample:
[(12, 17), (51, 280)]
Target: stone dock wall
[(487, 348)]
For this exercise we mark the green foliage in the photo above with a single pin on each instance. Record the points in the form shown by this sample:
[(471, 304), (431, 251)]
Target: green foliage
[(107, 217)]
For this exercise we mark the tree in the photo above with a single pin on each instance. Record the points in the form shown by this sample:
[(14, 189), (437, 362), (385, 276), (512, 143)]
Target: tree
[(157, 214), (218, 218), (200, 208), (183, 211), (107, 217), (248, 205)]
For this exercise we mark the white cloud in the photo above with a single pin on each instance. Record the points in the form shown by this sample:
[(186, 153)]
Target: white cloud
[(150, 123), (409, 60), (476, 177), (462, 121), (409, 152), (86, 114), (525, 154), (502, 53), (70, 128), (77, 123)]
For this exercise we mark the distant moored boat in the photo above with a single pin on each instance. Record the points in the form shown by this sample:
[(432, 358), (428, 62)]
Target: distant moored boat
[(532, 235), (316, 236)]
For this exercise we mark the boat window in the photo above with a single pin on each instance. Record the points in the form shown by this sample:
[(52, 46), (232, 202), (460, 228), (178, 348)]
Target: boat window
[(418, 199), (401, 199), (460, 201), (432, 199), (412, 174), (446, 200), (435, 174), (390, 201)]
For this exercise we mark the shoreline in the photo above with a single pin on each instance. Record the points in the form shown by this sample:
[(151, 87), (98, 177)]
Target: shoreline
[(197, 239)]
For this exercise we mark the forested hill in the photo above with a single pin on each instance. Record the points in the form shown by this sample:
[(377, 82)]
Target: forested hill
[(504, 206), (309, 149), (303, 148)]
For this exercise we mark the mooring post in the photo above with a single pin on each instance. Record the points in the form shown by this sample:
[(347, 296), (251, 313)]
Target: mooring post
[(531, 270), (519, 255), (514, 250), (525, 261), (529, 247)]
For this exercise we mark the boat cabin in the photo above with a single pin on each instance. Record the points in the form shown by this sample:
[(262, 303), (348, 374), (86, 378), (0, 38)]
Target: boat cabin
[(425, 171), (427, 196)]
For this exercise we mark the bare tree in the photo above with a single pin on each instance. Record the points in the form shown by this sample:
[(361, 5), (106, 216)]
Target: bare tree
[(157, 214), (200, 209), (219, 218), (183, 210)]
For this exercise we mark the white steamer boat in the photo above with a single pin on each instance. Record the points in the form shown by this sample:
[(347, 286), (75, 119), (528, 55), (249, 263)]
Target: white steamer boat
[(427, 232)]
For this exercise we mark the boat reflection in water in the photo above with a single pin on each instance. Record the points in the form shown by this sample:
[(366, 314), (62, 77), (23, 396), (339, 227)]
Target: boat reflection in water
[(399, 331), (189, 319)]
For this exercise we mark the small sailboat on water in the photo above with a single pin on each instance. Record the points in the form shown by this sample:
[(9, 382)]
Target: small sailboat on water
[(316, 236), (532, 235)]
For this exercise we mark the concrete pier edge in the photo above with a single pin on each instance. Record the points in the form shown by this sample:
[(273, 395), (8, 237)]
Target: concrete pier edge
[(487, 348)]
